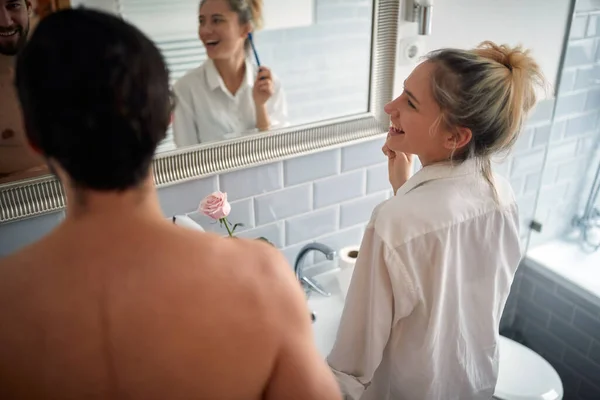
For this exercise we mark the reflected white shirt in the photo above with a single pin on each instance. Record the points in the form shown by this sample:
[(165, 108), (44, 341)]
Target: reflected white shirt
[(423, 310), (206, 111)]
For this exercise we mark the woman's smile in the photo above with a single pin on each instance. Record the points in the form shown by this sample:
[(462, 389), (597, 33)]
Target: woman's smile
[(395, 131)]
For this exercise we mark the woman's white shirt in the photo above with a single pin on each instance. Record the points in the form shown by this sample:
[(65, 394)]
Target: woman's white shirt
[(206, 111), (434, 271)]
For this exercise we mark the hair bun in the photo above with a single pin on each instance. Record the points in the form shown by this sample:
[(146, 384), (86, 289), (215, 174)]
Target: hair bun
[(256, 6), (511, 57)]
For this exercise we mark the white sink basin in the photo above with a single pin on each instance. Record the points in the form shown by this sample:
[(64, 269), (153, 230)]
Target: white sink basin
[(327, 310)]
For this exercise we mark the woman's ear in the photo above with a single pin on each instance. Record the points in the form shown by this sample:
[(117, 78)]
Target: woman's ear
[(246, 30), (458, 139)]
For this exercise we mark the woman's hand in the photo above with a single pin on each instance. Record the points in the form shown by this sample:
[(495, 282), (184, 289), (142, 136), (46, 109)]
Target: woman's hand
[(263, 87), (400, 166)]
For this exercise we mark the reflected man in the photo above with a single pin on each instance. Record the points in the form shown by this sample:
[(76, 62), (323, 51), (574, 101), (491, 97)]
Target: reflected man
[(17, 160)]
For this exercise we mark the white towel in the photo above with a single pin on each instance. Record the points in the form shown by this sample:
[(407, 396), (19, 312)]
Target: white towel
[(187, 222)]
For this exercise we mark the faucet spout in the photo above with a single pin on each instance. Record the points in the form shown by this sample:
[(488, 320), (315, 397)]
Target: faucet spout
[(307, 283)]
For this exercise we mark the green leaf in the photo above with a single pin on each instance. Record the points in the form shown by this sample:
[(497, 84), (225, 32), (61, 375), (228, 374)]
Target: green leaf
[(235, 226), (264, 239)]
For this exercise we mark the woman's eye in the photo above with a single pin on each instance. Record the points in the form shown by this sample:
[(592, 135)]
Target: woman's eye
[(410, 103)]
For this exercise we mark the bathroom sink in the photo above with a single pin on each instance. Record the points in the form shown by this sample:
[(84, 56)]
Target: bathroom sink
[(327, 309)]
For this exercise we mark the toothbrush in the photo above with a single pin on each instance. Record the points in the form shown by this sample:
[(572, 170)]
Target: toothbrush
[(250, 37)]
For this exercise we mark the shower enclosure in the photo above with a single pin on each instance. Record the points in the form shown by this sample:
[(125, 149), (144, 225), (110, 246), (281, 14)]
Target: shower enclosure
[(555, 166)]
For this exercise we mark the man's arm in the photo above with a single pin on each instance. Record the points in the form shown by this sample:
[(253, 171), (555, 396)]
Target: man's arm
[(300, 372)]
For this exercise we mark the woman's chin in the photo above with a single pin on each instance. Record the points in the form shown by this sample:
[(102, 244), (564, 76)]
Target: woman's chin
[(397, 143)]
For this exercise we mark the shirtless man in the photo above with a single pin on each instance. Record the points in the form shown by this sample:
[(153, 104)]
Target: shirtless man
[(118, 302), (17, 160)]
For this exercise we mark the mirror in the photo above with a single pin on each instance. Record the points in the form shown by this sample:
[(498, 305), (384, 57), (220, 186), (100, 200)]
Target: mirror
[(333, 65), (316, 56)]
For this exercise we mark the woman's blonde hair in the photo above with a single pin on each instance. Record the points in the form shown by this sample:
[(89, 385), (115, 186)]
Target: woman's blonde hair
[(248, 11), (489, 90)]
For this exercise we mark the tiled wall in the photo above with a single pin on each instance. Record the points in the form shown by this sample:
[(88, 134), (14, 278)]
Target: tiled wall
[(327, 196), (555, 320)]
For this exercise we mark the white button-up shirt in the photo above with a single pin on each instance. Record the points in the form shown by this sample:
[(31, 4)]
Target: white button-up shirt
[(422, 314), (206, 111)]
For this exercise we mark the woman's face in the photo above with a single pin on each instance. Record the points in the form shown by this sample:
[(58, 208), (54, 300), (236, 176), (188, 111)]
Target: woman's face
[(220, 30), (414, 118)]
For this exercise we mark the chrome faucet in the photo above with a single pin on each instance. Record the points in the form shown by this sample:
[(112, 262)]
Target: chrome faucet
[(309, 284)]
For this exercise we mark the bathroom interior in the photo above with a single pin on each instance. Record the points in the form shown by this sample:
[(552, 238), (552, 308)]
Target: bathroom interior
[(324, 192)]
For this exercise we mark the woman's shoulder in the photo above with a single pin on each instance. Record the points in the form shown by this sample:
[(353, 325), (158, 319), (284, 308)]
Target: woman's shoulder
[(439, 205), (400, 219), (410, 216), (190, 79)]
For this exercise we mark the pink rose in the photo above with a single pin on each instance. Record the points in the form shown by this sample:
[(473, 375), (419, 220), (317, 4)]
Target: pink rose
[(215, 206)]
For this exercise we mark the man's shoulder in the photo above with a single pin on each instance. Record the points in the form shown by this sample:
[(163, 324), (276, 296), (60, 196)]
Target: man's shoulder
[(256, 255), (15, 266), (239, 255)]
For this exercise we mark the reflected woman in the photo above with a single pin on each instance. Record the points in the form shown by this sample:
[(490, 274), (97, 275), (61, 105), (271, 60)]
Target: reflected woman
[(228, 94)]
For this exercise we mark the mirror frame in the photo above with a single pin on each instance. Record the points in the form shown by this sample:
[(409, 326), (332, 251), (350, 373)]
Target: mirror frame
[(41, 195)]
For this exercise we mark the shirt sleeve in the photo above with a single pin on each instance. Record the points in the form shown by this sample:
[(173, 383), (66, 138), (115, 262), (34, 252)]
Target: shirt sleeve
[(371, 309), (278, 110), (185, 131)]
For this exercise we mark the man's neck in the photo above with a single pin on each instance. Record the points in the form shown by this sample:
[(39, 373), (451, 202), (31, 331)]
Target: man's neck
[(113, 208)]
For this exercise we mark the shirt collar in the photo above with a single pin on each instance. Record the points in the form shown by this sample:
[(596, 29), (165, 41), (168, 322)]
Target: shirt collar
[(215, 81), (439, 171)]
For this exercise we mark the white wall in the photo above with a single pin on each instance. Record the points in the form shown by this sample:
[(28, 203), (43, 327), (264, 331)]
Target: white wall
[(104, 5), (539, 25)]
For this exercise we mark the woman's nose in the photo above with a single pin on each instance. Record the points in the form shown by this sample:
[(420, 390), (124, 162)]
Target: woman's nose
[(388, 108), (391, 108), (205, 29)]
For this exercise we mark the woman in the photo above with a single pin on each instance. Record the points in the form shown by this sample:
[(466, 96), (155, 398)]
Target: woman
[(437, 260), (227, 94)]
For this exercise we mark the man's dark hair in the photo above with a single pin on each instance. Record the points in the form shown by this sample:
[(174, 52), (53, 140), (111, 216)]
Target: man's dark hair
[(95, 96)]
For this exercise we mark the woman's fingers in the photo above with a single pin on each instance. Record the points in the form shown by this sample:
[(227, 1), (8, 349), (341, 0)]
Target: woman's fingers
[(264, 73), (265, 86), (385, 149)]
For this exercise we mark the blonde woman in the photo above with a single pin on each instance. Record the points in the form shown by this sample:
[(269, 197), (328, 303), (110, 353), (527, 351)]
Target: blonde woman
[(437, 260), (229, 93)]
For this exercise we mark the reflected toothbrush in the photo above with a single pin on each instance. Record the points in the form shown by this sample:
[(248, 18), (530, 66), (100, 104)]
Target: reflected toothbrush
[(251, 38)]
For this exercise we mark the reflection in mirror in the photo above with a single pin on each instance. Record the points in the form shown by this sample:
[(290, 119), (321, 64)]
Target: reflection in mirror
[(17, 20), (304, 61)]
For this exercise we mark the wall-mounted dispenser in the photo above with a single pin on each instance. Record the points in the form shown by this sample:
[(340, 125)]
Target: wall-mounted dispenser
[(420, 12)]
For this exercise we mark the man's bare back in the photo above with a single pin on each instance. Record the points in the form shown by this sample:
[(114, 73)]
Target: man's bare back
[(144, 309)]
